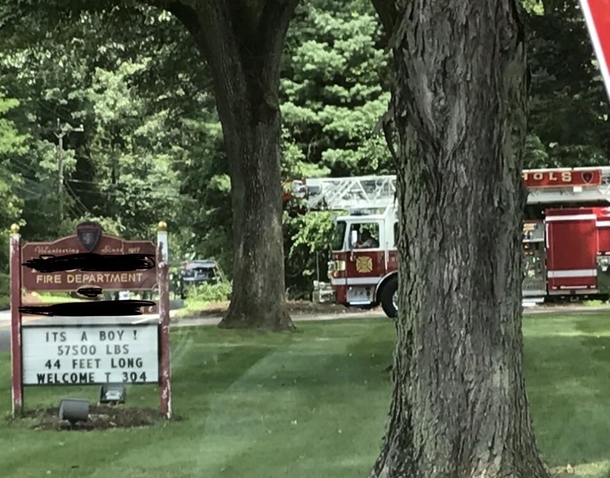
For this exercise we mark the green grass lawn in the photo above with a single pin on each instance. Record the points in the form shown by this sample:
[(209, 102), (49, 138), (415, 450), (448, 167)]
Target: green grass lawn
[(308, 405)]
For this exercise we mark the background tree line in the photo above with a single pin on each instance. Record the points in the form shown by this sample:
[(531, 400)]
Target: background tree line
[(152, 144)]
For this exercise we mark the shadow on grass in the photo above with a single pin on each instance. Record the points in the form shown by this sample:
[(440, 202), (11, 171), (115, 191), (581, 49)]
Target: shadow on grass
[(200, 369), (329, 357), (313, 403), (567, 367), (567, 371), (320, 397)]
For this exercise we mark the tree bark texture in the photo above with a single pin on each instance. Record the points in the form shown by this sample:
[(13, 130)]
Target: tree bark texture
[(459, 407), (242, 42)]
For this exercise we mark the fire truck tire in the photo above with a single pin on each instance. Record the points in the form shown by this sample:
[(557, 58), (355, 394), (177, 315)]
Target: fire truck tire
[(387, 297)]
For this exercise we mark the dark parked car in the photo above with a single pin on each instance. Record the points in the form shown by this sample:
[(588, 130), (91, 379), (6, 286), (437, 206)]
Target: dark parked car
[(197, 272)]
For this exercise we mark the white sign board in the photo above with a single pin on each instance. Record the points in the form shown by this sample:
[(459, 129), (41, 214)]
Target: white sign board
[(90, 354)]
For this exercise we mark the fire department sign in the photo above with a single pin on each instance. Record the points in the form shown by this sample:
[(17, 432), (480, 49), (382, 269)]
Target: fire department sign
[(91, 351), (90, 238), (364, 264)]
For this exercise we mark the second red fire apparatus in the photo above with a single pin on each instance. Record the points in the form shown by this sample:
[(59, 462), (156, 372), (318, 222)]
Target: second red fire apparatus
[(566, 235)]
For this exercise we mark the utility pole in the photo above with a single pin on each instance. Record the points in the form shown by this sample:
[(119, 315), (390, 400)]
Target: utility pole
[(62, 131)]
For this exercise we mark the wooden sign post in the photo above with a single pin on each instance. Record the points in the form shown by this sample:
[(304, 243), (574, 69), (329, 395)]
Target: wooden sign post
[(165, 356), (15, 291)]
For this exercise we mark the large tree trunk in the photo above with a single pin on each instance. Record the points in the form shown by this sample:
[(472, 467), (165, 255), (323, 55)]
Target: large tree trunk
[(459, 406), (242, 42)]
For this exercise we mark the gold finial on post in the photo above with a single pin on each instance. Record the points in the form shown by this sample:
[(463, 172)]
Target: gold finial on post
[(15, 229), (162, 226)]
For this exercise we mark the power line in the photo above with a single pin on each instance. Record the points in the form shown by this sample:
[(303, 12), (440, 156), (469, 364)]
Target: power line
[(23, 165), (62, 131), (142, 195), (36, 100), (35, 194), (75, 196)]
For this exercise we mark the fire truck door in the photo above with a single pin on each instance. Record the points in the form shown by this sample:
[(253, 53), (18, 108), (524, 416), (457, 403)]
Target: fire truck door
[(572, 251), (534, 269), (365, 262), (603, 253)]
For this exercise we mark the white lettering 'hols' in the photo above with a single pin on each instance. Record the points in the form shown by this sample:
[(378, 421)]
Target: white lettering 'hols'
[(90, 354)]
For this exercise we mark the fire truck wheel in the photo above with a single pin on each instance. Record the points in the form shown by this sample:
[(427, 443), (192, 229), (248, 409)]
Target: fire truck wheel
[(388, 297)]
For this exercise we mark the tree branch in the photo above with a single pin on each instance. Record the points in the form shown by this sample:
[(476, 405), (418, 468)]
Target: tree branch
[(187, 15), (275, 18), (261, 33), (272, 28), (257, 35), (386, 124), (386, 9), (241, 41)]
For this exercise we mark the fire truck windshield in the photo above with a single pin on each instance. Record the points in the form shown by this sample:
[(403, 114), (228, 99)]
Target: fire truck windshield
[(338, 236)]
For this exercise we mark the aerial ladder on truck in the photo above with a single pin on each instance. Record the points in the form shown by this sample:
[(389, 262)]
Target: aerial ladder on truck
[(360, 193), (353, 194)]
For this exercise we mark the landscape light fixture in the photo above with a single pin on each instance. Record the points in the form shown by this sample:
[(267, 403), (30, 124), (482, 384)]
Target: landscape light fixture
[(113, 393), (74, 410)]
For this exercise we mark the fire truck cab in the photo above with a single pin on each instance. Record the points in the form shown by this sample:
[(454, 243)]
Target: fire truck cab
[(363, 265), (363, 269), (566, 236)]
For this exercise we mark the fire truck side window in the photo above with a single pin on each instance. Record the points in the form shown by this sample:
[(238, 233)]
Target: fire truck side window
[(338, 236), (368, 235)]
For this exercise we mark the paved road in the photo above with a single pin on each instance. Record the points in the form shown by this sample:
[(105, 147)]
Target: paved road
[(138, 319), (5, 323)]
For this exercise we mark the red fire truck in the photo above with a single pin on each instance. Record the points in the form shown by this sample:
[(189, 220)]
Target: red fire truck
[(566, 235)]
